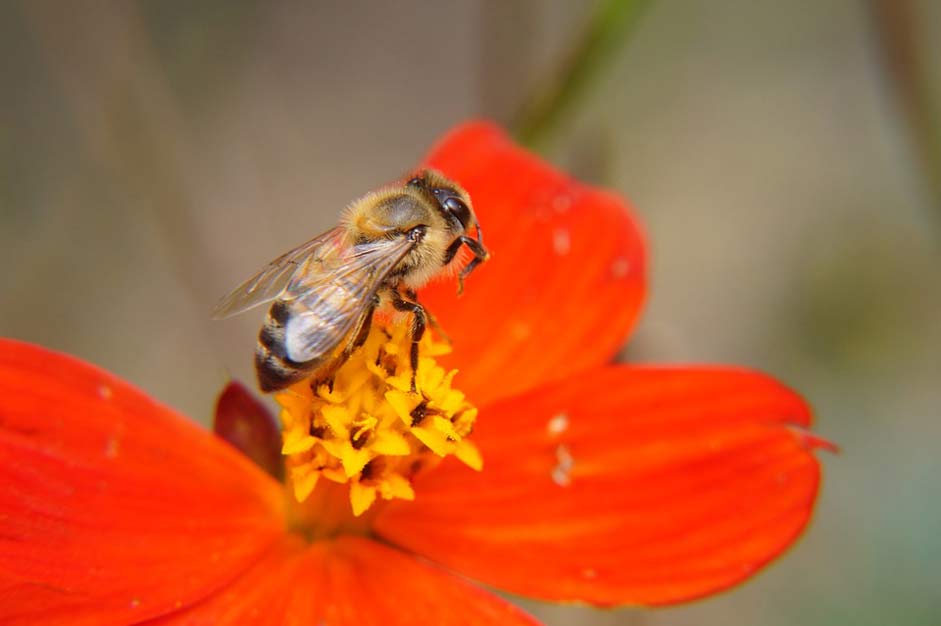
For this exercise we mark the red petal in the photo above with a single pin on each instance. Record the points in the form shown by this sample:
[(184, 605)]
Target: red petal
[(566, 280), (622, 486), (349, 582), (114, 508)]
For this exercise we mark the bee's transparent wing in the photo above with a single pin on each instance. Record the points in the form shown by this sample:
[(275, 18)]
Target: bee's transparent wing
[(271, 281), (330, 299)]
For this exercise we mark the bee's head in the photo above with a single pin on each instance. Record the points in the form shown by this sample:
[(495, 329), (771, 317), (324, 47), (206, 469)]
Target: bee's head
[(452, 204), (448, 198)]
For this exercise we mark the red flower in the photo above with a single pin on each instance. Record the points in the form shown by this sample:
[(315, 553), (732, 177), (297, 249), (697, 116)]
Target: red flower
[(608, 484)]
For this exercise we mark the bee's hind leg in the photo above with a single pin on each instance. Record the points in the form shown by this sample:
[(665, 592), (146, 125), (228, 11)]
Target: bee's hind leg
[(362, 334), (359, 338), (419, 319)]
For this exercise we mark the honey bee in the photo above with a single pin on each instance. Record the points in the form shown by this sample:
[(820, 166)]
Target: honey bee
[(389, 244)]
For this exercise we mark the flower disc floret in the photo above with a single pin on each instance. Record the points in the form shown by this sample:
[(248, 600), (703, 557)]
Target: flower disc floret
[(369, 428)]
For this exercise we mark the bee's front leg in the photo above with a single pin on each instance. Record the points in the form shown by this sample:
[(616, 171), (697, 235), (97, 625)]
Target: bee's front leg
[(480, 255), (412, 296), (419, 320)]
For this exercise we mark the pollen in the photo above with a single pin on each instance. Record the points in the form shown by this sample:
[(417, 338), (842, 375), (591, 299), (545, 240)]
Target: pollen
[(369, 428)]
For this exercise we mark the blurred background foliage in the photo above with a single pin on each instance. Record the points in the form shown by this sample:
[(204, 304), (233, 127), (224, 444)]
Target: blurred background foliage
[(784, 157)]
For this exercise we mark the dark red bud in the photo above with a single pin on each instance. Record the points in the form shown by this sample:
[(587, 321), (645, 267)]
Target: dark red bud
[(247, 424)]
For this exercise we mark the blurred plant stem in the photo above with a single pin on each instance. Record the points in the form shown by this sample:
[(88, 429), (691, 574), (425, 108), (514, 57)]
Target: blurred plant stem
[(127, 115), (609, 27), (896, 28)]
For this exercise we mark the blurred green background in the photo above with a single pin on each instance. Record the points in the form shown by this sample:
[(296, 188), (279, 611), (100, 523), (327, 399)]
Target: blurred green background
[(784, 157)]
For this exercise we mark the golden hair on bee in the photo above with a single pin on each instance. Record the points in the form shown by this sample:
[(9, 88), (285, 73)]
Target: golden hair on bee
[(429, 200), (389, 243)]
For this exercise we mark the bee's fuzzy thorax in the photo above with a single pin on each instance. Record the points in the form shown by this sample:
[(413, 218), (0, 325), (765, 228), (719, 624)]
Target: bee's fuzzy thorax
[(397, 210)]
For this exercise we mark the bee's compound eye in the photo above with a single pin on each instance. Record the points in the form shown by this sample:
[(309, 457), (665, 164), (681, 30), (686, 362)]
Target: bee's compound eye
[(458, 209)]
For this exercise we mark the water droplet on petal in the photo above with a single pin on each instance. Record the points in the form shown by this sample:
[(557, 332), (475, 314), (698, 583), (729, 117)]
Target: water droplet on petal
[(562, 472), (111, 447), (620, 267), (558, 424), (562, 203), (561, 241)]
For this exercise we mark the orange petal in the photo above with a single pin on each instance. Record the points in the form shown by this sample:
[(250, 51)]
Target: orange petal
[(375, 585), (352, 581), (566, 280), (114, 508), (285, 588), (622, 486)]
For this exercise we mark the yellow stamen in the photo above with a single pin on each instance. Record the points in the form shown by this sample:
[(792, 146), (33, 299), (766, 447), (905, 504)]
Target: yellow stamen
[(370, 429)]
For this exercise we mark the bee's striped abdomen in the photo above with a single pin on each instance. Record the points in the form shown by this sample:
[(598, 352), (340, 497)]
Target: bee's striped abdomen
[(272, 365)]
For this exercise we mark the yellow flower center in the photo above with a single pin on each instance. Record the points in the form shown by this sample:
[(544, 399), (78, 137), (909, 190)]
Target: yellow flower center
[(369, 429)]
